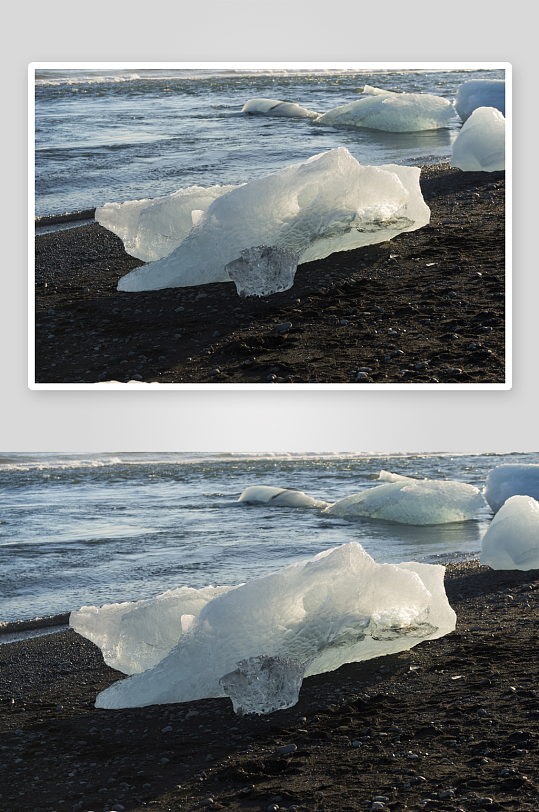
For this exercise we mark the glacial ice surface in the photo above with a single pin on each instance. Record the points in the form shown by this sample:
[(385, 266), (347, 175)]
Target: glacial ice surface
[(263, 270), (339, 606), (135, 636), (328, 203), (264, 684), (480, 145), (480, 93), (279, 496), (392, 112), (508, 480), (274, 107), (412, 501), (151, 229), (512, 539), (388, 476)]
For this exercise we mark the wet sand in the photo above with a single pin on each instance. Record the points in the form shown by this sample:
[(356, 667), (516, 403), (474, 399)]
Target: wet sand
[(452, 724), (426, 307)]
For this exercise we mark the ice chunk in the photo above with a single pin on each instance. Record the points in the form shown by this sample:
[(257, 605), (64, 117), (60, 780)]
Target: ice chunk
[(392, 112), (480, 145), (512, 539), (279, 496), (413, 501), (263, 270), (273, 107), (338, 607), (480, 93), (387, 476), (264, 684), (136, 636), (151, 229), (511, 480), (328, 203)]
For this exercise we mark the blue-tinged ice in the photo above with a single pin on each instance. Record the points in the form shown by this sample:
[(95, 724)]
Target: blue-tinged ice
[(265, 494), (412, 501), (135, 636), (480, 93), (274, 107), (509, 480), (480, 145), (512, 539), (339, 606), (392, 112), (151, 229), (328, 203)]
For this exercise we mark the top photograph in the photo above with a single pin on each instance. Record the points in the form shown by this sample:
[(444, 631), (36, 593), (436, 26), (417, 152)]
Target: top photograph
[(297, 226)]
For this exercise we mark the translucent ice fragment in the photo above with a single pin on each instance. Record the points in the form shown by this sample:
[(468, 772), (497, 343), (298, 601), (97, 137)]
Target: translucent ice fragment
[(480, 93), (413, 501), (274, 107), (264, 684), (387, 476), (328, 203), (263, 270), (339, 606), (480, 145), (279, 496), (512, 539), (392, 112), (511, 480), (151, 229), (136, 636)]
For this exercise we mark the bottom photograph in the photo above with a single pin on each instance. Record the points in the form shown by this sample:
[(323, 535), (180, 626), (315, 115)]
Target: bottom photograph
[(269, 631)]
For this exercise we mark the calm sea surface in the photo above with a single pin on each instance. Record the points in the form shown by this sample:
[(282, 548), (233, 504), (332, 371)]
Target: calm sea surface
[(117, 135), (79, 529)]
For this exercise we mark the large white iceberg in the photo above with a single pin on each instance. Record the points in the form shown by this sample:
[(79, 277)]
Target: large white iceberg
[(338, 607), (513, 479), (328, 203), (274, 107), (480, 145), (412, 501), (392, 112), (151, 229), (136, 636), (279, 496), (512, 539), (480, 93)]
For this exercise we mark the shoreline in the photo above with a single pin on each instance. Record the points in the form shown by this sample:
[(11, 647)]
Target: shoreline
[(452, 722), (425, 307)]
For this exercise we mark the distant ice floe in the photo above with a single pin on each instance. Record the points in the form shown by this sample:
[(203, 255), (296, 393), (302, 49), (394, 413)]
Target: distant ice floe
[(339, 606), (512, 539), (509, 480), (265, 494), (392, 112), (480, 145), (412, 501), (273, 107), (328, 203), (480, 93)]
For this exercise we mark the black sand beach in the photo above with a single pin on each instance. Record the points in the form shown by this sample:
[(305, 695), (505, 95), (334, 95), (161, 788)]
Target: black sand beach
[(436, 296), (452, 724)]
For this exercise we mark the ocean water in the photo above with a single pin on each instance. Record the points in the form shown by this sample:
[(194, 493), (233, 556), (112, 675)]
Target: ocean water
[(80, 529), (105, 135)]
